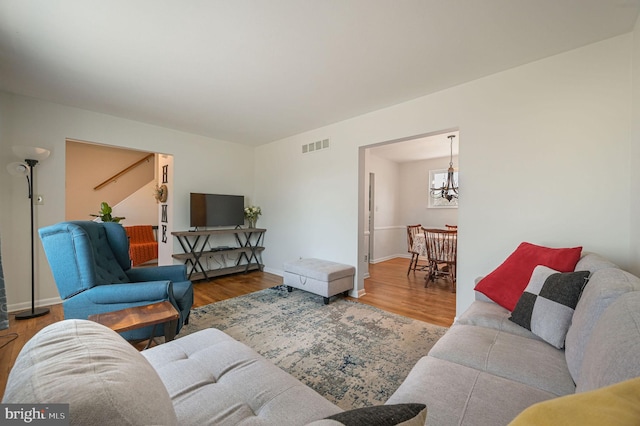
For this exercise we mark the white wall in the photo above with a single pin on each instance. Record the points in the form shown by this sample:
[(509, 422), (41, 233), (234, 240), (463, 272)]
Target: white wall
[(140, 206), (200, 165), (414, 190), (633, 156), (542, 144), (389, 236)]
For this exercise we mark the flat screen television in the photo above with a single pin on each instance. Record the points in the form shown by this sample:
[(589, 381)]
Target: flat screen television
[(216, 210)]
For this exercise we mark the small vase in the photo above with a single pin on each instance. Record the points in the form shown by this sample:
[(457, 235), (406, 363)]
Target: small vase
[(252, 223)]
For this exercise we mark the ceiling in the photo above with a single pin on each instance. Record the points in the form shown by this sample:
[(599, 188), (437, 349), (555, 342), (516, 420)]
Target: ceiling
[(255, 71), (424, 148)]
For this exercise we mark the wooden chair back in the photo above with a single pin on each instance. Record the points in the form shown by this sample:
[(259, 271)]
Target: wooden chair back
[(442, 245), (412, 230)]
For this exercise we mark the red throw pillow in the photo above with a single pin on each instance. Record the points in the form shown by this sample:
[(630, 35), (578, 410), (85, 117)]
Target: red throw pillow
[(507, 282)]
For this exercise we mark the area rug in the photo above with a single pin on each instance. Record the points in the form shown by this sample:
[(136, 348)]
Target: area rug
[(353, 354)]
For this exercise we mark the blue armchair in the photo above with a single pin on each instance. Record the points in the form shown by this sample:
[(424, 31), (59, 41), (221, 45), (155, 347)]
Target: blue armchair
[(92, 270)]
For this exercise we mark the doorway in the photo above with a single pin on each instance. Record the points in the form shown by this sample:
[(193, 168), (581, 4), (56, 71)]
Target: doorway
[(132, 194), (395, 193), (124, 178)]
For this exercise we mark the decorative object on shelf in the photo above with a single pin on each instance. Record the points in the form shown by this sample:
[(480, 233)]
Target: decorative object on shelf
[(448, 189), (105, 214), (251, 213), (161, 193), (31, 156)]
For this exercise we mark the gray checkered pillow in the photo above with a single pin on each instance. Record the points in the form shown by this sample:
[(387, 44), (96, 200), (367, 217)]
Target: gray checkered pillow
[(547, 304)]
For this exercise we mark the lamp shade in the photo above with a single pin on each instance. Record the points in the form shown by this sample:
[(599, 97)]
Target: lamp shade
[(31, 152), (18, 169)]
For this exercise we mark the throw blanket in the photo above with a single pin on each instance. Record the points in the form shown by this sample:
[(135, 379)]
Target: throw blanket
[(143, 246)]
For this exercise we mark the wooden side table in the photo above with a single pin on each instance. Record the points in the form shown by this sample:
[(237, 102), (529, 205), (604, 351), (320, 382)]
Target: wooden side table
[(142, 316)]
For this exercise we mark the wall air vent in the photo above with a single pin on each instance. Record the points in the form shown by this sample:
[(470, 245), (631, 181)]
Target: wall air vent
[(315, 146)]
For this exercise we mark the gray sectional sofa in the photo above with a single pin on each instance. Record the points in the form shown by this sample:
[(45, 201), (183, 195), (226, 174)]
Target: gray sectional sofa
[(485, 371)]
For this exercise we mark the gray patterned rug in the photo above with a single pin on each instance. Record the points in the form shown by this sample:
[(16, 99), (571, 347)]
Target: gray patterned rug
[(353, 354)]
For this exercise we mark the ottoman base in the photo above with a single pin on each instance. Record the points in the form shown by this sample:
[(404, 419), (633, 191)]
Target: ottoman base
[(326, 299), (320, 277)]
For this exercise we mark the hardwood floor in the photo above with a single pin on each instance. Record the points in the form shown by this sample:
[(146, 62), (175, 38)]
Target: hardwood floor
[(388, 288)]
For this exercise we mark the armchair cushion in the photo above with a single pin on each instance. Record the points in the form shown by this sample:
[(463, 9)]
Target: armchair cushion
[(174, 273), (148, 292)]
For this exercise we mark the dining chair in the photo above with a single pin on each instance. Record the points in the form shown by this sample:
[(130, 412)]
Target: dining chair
[(412, 232), (442, 249), (451, 227)]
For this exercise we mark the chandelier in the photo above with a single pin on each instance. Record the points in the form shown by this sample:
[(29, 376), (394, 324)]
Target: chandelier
[(449, 189)]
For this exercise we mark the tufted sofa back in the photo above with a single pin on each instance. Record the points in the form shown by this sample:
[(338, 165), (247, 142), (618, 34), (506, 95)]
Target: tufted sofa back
[(84, 254)]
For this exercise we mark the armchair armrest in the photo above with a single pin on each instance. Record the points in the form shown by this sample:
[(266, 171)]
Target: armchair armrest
[(131, 293), (174, 273)]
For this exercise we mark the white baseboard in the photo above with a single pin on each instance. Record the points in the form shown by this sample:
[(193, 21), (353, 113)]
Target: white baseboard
[(393, 256), (359, 294), (278, 272), (17, 307)]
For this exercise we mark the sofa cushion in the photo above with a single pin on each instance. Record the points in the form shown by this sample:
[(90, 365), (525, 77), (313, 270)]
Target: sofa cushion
[(100, 375), (458, 395), (613, 352), (379, 415), (617, 404), (605, 286), (593, 262), (507, 282), (528, 361), (491, 315), (214, 379), (319, 269), (548, 302)]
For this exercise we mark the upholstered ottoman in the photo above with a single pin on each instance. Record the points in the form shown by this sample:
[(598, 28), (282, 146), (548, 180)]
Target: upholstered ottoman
[(317, 276)]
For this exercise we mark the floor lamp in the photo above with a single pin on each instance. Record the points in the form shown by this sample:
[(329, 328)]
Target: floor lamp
[(32, 156)]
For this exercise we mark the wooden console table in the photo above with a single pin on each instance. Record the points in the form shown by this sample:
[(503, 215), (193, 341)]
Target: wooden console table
[(197, 247)]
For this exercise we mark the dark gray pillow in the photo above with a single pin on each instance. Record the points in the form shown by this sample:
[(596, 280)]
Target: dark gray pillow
[(384, 415), (548, 302)]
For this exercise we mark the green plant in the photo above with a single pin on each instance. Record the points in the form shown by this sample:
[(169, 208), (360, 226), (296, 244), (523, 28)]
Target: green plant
[(105, 213)]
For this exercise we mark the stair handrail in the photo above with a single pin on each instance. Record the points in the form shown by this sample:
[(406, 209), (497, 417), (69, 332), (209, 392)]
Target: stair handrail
[(122, 172)]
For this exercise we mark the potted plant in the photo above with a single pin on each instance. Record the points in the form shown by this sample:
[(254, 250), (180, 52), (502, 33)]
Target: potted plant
[(105, 213), (251, 213)]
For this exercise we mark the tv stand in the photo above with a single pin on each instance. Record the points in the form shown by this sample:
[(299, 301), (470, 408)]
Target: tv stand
[(244, 257)]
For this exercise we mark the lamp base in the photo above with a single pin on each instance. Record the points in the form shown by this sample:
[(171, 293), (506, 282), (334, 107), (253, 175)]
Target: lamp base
[(32, 313)]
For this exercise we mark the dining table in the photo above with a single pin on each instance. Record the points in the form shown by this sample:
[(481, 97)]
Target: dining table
[(420, 244)]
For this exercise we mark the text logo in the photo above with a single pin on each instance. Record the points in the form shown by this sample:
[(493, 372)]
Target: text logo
[(34, 414)]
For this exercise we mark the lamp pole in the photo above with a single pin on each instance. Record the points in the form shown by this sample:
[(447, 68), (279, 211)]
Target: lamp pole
[(39, 311)]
